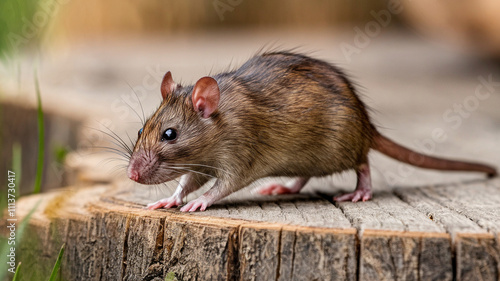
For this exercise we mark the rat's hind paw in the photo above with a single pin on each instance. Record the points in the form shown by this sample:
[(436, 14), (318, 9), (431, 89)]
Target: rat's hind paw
[(358, 194), (275, 189), (172, 201), (294, 186)]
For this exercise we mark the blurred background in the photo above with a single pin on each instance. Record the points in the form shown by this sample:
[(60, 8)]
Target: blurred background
[(429, 70)]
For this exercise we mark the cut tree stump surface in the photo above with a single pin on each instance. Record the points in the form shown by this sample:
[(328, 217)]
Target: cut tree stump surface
[(447, 232)]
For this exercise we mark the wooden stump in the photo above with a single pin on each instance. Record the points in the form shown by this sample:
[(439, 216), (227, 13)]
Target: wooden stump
[(427, 233)]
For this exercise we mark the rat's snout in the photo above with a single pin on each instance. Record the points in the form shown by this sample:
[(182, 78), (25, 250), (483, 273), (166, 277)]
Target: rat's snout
[(133, 174), (133, 171), (142, 166)]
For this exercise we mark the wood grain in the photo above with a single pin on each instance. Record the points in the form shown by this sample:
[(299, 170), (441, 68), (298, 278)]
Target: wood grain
[(422, 233)]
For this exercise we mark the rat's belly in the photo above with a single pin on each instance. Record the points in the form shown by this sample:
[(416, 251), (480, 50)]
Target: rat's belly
[(310, 165)]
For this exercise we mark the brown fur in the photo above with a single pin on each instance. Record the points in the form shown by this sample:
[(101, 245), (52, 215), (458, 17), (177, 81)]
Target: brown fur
[(280, 114)]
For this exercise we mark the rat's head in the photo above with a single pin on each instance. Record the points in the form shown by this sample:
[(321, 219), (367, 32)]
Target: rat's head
[(174, 139)]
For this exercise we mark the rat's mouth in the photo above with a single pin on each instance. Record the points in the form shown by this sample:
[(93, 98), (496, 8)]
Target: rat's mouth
[(143, 168), (148, 170), (157, 176), (141, 174)]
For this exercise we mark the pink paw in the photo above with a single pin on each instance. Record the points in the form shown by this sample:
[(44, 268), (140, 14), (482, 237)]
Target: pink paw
[(202, 203), (275, 189), (166, 203), (355, 196)]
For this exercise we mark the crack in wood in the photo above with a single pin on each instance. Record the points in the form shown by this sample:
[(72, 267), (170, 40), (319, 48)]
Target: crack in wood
[(293, 255), (125, 247), (233, 268), (357, 252), (278, 267)]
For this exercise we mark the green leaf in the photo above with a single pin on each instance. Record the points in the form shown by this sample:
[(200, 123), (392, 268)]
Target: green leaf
[(16, 274), (60, 153), (57, 265), (41, 139)]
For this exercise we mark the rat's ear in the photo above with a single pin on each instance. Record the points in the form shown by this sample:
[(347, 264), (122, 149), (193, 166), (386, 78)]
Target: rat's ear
[(167, 85), (206, 96)]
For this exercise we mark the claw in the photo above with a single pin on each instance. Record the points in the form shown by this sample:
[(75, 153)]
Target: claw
[(363, 188), (166, 203), (355, 196), (202, 203)]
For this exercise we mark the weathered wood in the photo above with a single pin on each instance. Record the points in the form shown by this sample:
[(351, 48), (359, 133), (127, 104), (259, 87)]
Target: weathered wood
[(387, 255), (470, 212), (260, 252), (296, 253), (479, 201), (197, 251), (478, 257), (422, 233), (324, 255), (394, 236), (144, 248), (454, 222), (113, 234)]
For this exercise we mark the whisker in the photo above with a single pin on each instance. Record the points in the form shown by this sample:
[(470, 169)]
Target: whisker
[(140, 104), (136, 113), (156, 187), (119, 142), (205, 166), (131, 142), (110, 160), (192, 171), (119, 139), (116, 171), (114, 151)]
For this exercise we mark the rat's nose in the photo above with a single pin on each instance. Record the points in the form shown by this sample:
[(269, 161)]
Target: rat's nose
[(133, 174)]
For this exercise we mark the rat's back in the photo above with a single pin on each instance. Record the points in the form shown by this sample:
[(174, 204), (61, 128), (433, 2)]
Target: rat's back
[(301, 112)]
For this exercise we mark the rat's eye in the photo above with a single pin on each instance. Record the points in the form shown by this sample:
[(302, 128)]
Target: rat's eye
[(169, 135), (139, 133)]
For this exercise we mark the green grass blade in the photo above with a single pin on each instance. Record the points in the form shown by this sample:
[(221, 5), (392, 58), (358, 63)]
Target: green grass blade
[(41, 139), (57, 265), (16, 275)]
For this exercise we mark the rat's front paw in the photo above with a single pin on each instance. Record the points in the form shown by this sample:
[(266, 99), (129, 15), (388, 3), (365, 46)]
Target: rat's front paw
[(172, 201), (201, 202)]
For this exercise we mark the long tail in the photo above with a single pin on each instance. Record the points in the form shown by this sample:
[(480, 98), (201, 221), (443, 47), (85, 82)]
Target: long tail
[(403, 154)]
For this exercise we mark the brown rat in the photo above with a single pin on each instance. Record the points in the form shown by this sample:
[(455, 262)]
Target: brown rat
[(279, 114)]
